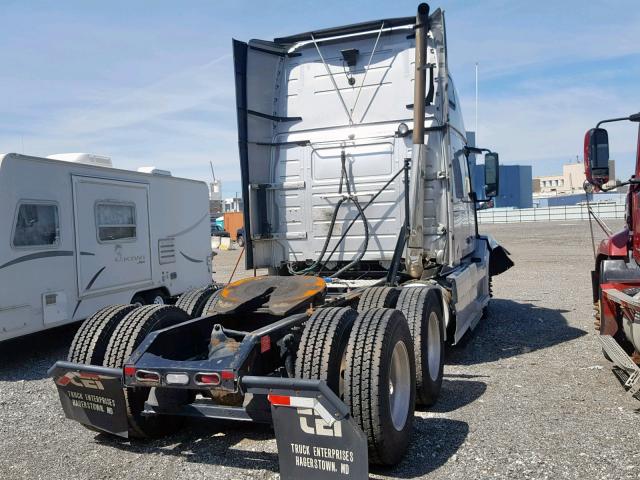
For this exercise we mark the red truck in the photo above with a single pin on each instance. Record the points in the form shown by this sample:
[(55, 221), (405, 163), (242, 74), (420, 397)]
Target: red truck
[(616, 276)]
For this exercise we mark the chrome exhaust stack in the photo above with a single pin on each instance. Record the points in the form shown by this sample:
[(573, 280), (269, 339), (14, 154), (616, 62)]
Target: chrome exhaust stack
[(415, 243)]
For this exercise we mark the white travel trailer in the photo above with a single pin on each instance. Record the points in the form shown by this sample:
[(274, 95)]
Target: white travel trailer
[(78, 235)]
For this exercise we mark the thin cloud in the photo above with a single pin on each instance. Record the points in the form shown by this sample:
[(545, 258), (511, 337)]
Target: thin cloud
[(200, 86)]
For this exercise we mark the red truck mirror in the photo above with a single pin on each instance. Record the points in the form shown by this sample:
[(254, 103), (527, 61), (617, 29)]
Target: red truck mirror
[(596, 156)]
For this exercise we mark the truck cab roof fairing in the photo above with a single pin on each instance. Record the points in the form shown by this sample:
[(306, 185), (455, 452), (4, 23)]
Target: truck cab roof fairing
[(290, 118), (370, 26)]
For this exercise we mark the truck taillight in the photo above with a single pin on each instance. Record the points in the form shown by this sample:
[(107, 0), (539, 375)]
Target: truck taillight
[(177, 378), (129, 370), (228, 375), (212, 378), (146, 376)]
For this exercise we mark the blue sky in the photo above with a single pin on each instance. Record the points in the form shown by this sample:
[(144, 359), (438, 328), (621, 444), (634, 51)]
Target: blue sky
[(151, 82)]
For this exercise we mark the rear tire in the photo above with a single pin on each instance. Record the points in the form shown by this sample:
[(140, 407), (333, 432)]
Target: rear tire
[(240, 241), (193, 301), (210, 303), (128, 335), (90, 342), (422, 308), (380, 382), (378, 297), (323, 346)]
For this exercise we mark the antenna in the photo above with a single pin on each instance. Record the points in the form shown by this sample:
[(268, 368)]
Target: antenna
[(213, 174), (477, 104)]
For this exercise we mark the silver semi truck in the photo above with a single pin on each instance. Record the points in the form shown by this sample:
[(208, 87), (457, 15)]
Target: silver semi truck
[(358, 199)]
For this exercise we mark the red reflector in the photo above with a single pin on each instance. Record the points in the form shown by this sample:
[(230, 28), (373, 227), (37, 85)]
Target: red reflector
[(265, 344), (208, 378), (228, 375), (279, 399), (129, 370)]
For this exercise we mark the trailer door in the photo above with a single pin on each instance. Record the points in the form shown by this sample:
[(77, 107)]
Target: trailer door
[(112, 235)]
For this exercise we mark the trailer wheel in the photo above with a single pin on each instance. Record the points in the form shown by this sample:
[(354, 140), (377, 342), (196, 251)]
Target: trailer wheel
[(138, 300), (423, 311), (322, 350), (210, 303), (380, 382), (155, 298), (193, 301), (378, 297), (127, 336), (90, 341)]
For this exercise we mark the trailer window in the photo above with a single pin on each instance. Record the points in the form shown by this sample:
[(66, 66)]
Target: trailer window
[(115, 221), (37, 225)]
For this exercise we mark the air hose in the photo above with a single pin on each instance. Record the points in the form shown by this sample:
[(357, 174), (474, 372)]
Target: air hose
[(344, 179)]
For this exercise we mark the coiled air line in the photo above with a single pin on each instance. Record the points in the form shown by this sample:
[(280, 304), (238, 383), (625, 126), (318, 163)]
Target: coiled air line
[(349, 197)]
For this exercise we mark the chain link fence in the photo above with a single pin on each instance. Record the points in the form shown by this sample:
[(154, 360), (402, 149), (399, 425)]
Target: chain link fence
[(550, 214)]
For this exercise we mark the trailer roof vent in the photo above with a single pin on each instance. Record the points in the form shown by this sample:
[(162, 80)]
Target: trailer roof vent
[(154, 171), (85, 158)]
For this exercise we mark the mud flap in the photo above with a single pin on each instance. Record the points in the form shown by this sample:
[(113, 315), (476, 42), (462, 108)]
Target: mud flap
[(92, 395), (316, 436), (499, 261)]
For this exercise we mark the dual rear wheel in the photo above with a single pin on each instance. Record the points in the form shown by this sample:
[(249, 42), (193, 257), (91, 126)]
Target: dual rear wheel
[(197, 302), (109, 337), (381, 361)]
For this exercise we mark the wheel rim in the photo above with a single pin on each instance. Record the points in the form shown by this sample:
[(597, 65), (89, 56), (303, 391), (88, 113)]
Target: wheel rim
[(399, 386), (343, 369), (433, 346), (158, 300)]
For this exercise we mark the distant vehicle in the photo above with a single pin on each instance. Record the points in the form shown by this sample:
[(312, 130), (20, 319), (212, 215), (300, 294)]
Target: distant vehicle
[(78, 235), (485, 205), (616, 274), (240, 236), (218, 231)]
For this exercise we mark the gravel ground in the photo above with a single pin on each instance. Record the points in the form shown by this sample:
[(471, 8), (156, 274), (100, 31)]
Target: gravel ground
[(527, 395)]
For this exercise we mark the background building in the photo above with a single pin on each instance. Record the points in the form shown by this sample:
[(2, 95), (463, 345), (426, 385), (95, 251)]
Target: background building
[(570, 181), (215, 198), (514, 188), (515, 181), (233, 204), (579, 198)]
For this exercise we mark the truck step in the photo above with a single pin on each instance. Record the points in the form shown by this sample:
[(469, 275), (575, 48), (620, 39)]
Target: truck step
[(623, 378), (622, 299), (620, 358)]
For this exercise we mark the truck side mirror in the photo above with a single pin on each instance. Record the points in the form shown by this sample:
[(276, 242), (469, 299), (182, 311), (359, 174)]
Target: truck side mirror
[(491, 174), (596, 156)]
